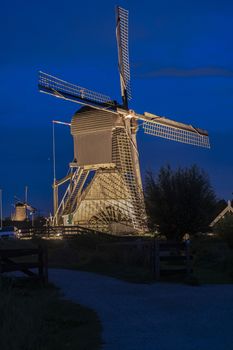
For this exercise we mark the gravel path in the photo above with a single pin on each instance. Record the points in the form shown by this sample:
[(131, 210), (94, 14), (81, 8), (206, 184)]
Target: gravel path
[(153, 317)]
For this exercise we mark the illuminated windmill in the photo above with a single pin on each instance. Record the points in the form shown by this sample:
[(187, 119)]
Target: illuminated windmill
[(105, 187), (22, 208)]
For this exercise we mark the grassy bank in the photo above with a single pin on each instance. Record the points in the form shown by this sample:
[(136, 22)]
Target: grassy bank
[(213, 260), (34, 317), (89, 253), (212, 263)]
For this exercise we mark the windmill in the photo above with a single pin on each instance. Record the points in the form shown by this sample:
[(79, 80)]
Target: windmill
[(22, 208), (104, 189)]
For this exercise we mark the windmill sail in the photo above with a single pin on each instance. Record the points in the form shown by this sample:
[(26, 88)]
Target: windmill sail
[(172, 130), (67, 91), (123, 53)]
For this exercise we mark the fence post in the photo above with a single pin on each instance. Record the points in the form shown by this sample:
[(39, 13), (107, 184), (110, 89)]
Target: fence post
[(188, 259), (45, 264), (1, 267), (40, 262), (156, 260)]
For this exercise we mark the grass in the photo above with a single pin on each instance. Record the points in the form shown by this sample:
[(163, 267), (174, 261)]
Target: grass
[(34, 317), (132, 274), (213, 260), (83, 253), (211, 276)]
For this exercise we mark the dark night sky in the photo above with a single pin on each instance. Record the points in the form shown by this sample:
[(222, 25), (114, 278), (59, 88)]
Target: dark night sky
[(181, 55)]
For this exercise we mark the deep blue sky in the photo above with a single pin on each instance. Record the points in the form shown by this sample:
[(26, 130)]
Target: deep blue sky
[(181, 55)]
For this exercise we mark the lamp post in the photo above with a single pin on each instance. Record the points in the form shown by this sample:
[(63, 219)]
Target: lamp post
[(55, 190), (1, 209)]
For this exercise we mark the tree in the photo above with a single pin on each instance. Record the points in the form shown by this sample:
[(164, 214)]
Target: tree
[(180, 201)]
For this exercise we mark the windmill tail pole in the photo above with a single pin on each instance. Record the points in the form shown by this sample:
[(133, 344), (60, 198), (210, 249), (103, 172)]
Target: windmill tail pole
[(26, 194), (0, 209), (26, 199), (55, 188)]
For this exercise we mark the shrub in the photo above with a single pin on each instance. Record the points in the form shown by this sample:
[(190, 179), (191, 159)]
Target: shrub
[(179, 201)]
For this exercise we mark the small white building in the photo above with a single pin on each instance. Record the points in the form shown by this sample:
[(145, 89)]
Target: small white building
[(227, 210)]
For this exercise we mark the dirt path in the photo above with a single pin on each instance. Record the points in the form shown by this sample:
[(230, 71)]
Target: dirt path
[(153, 317)]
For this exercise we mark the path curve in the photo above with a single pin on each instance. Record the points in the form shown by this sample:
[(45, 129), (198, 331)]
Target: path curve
[(153, 317)]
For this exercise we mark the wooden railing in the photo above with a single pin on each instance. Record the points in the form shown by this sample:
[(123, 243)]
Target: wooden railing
[(171, 258), (54, 231), (164, 258), (40, 262)]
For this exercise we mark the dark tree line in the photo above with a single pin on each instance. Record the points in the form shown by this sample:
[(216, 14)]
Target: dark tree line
[(180, 201)]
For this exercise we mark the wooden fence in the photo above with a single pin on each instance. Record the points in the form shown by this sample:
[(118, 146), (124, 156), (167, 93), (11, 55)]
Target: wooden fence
[(40, 262), (54, 231), (171, 258), (164, 258)]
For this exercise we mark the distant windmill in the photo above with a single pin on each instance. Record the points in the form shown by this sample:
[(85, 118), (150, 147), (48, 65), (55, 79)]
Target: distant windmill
[(22, 208), (104, 133)]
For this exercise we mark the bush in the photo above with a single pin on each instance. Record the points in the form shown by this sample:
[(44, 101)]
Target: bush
[(179, 201), (224, 228)]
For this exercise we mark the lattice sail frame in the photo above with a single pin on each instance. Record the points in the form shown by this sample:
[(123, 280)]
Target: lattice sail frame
[(63, 89), (123, 49), (179, 132)]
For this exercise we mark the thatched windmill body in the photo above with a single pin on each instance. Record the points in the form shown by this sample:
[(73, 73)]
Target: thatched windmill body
[(105, 187)]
